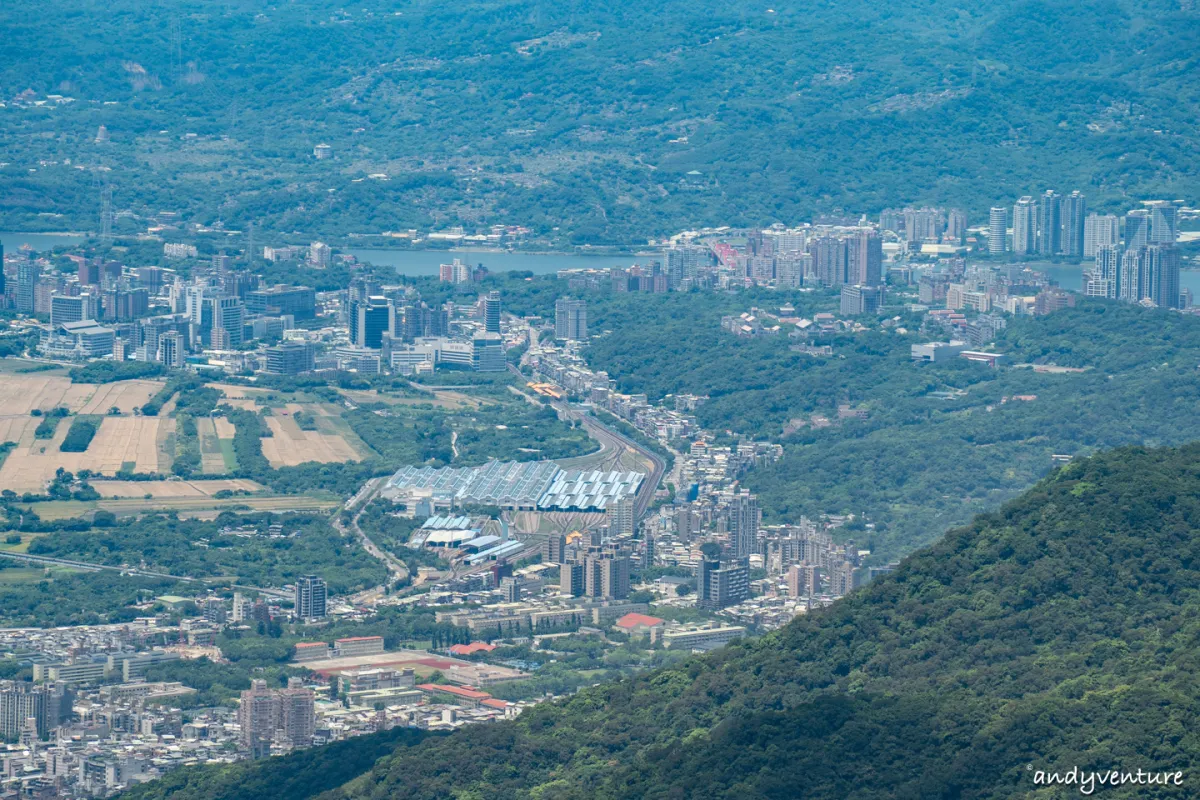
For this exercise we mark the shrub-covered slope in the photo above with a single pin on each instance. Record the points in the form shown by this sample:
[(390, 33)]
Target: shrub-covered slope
[(1058, 632)]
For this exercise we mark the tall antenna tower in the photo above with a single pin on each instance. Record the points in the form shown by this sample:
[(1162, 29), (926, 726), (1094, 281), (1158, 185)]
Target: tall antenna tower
[(176, 47), (106, 215), (250, 247)]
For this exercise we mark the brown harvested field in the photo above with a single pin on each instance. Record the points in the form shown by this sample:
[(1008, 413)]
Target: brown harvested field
[(120, 440), (125, 395), (289, 446), (20, 394), (33, 464), (172, 489), (13, 429), (225, 428)]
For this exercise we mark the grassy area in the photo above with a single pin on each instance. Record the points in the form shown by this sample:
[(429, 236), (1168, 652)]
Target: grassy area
[(70, 509), (20, 366), (228, 454), (445, 399), (20, 547), (336, 425), (61, 509), (21, 575), (166, 442)]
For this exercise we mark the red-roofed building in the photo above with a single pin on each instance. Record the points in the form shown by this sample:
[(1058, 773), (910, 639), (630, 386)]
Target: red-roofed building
[(496, 703), (473, 647), (311, 651), (639, 625), (464, 695)]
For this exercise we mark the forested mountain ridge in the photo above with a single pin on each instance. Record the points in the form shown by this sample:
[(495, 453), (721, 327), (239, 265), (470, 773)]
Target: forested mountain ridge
[(1059, 631), (610, 121)]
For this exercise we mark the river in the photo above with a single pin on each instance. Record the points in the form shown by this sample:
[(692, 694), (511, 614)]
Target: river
[(426, 262), (405, 262), (1072, 278), (38, 241)]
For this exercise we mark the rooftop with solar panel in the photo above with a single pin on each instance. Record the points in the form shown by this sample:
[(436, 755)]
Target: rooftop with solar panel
[(520, 486)]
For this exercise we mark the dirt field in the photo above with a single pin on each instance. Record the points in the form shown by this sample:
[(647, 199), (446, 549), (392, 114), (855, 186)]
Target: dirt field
[(289, 446), (171, 489), (120, 441), (20, 394), (423, 663)]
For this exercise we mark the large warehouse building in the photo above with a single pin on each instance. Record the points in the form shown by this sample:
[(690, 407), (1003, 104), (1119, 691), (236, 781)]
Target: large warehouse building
[(520, 486)]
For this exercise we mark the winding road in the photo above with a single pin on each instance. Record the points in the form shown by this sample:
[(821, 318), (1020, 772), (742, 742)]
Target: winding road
[(396, 568), (87, 566)]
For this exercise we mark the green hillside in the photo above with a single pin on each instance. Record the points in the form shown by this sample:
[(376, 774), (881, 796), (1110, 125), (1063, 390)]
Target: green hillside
[(1057, 632), (921, 462), (612, 121)]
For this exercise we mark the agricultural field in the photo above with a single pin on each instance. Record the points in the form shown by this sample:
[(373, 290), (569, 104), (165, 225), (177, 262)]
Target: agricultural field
[(216, 445), (173, 489), (13, 429), (243, 397), (187, 506), (121, 443), (327, 439), (124, 441), (21, 394), (129, 443)]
